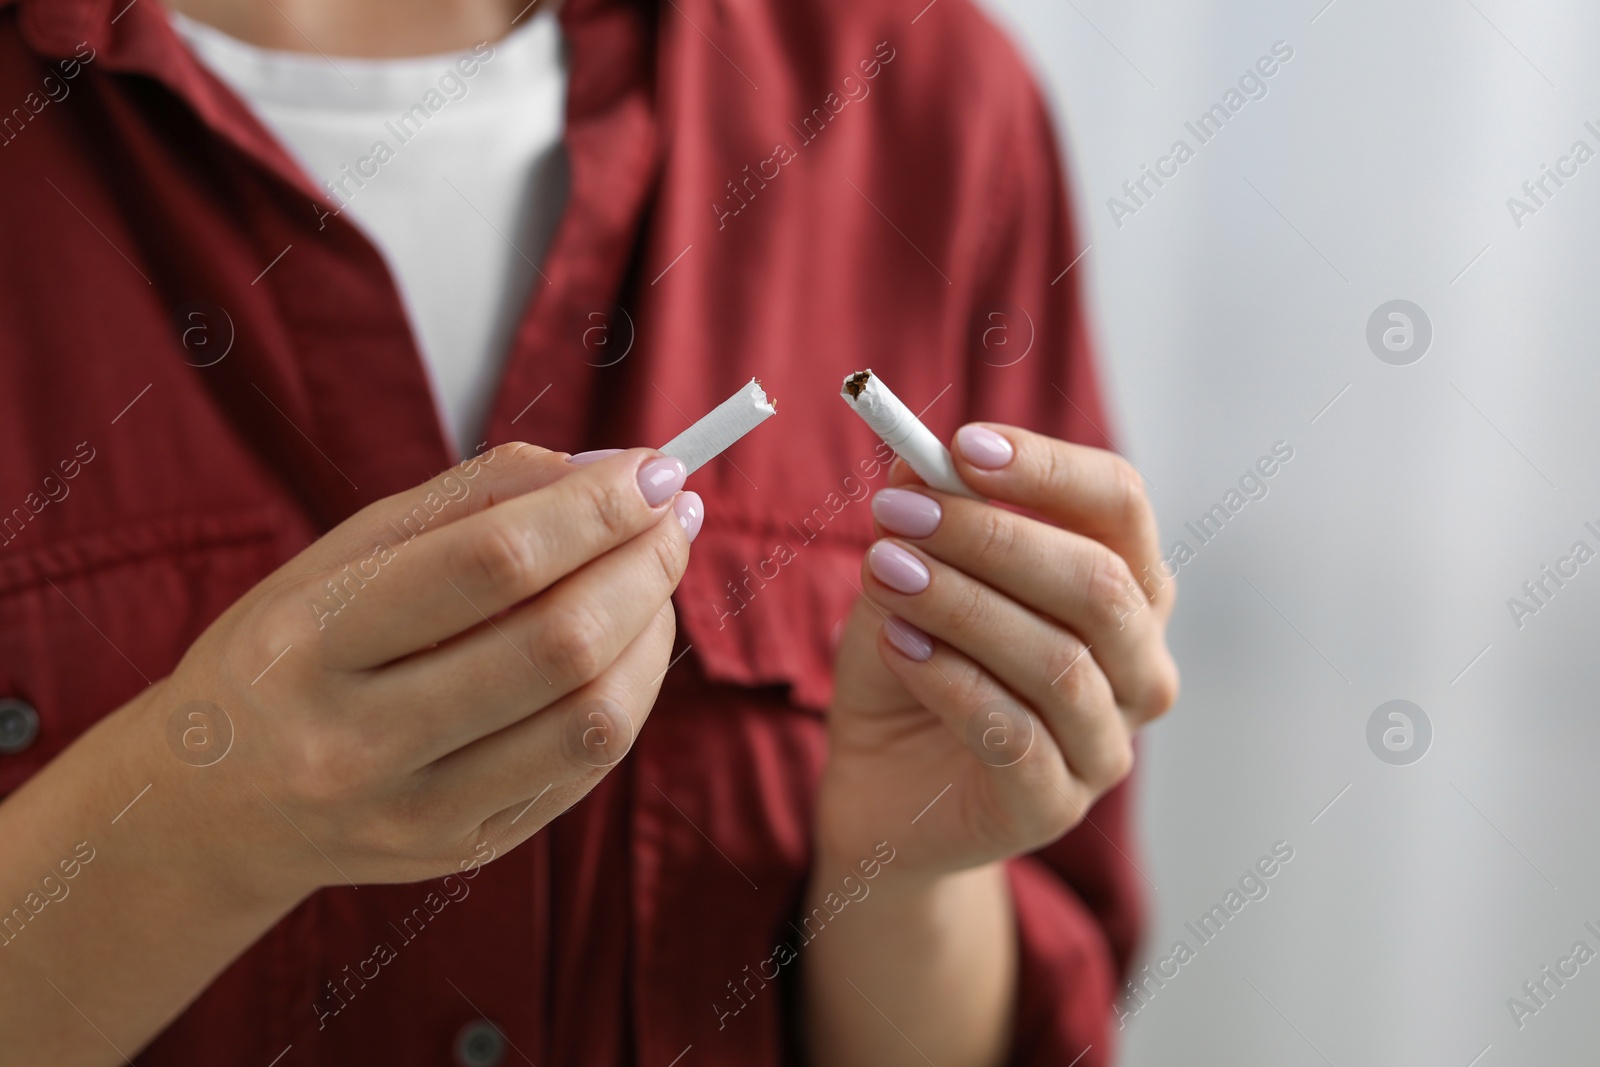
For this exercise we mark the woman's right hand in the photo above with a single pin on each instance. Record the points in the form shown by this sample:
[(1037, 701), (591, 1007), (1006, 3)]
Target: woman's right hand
[(417, 692), (431, 682)]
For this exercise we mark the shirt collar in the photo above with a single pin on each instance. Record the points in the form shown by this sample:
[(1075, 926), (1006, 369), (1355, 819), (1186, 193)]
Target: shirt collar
[(135, 37)]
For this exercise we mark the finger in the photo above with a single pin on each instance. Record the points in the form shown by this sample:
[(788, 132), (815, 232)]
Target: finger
[(1062, 575), (1034, 792), (510, 667), (900, 473), (533, 770), (422, 591), (469, 487), (1039, 661), (1088, 490)]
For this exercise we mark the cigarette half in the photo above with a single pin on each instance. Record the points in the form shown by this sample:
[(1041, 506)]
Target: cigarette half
[(902, 431), (722, 426)]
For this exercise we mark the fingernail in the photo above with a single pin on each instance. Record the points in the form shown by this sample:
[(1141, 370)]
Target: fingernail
[(983, 448), (897, 568), (589, 457), (691, 512), (906, 513), (912, 642), (660, 478)]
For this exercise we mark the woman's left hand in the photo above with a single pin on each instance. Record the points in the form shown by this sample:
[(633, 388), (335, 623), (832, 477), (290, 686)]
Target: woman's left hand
[(991, 677)]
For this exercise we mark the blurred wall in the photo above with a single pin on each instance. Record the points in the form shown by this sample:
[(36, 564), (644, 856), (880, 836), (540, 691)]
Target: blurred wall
[(1375, 164)]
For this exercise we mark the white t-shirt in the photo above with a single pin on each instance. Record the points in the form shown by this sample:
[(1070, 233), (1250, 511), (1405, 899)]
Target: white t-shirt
[(452, 165)]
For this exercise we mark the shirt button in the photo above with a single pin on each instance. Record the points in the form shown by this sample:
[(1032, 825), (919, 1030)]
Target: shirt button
[(480, 1044), (19, 725)]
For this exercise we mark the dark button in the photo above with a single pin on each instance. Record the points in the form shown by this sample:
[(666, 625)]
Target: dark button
[(480, 1044), (19, 725)]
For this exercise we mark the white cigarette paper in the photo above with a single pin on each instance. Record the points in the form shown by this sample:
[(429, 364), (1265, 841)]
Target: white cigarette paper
[(902, 431), (722, 426)]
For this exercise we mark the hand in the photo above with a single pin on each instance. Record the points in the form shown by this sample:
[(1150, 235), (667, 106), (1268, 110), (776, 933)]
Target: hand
[(439, 676), (1007, 657)]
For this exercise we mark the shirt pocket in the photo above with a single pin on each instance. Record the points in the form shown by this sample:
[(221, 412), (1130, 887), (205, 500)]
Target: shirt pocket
[(88, 620), (770, 585)]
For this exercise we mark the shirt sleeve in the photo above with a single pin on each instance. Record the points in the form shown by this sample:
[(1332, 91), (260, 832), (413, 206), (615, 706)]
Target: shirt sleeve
[(1077, 917), (1078, 901)]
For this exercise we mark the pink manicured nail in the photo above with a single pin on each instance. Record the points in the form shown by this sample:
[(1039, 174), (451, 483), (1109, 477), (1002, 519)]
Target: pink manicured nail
[(897, 568), (907, 513), (660, 478), (983, 448), (589, 457), (912, 642), (691, 512)]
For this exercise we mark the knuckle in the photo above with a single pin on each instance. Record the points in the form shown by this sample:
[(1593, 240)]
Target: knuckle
[(1162, 692), (477, 848), (671, 553), (572, 646), (1127, 493), (1110, 590), (322, 769), (511, 458), (512, 451), (599, 734), (1066, 669), (611, 503), (996, 533), (1160, 586), (1054, 471), (666, 623), (1064, 809), (970, 689), (662, 631), (502, 558), (1119, 762), (968, 607), (276, 628)]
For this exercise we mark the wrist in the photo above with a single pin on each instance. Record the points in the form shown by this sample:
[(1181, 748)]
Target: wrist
[(197, 815), (936, 952), (882, 872), (159, 902)]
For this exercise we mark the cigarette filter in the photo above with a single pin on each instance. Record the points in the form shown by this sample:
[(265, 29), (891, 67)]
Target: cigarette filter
[(902, 431), (722, 426)]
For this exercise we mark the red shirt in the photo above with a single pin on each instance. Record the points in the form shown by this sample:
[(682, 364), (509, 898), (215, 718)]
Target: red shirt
[(785, 190)]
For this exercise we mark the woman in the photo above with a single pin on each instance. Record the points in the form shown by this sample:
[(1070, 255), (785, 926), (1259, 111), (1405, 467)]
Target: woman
[(292, 723)]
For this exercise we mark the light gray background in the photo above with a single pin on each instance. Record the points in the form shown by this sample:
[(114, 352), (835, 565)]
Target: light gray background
[(1231, 310)]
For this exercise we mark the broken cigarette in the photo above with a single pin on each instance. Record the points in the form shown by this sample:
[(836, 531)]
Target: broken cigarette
[(902, 431), (722, 426)]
